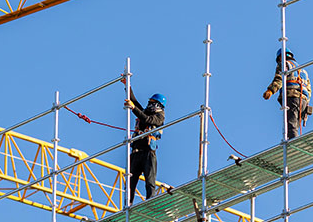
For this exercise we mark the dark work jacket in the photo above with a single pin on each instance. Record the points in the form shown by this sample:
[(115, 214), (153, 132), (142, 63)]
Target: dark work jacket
[(146, 120)]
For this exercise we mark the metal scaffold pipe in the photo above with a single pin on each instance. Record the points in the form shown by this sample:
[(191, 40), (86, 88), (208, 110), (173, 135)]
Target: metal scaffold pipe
[(277, 217), (61, 105), (127, 193), (287, 3), (299, 67), (200, 145), (252, 209), (205, 142), (284, 108), (55, 159), (193, 114)]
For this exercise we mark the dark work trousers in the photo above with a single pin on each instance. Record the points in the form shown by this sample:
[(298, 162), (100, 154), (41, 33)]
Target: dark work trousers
[(293, 115), (143, 162)]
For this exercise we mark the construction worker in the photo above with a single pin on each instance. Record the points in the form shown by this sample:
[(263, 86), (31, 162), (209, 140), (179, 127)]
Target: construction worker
[(298, 92), (143, 157)]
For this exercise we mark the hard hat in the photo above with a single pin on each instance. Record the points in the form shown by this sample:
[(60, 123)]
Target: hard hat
[(288, 52), (160, 98)]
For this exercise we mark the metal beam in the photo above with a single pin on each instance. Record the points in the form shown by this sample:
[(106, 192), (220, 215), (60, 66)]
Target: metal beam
[(287, 3), (103, 152), (42, 206), (29, 10), (299, 67), (301, 150), (304, 207), (60, 194), (184, 193), (225, 185), (262, 169), (61, 105), (145, 216)]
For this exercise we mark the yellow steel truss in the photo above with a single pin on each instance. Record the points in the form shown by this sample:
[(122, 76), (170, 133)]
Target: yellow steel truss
[(9, 12), (24, 159), (76, 188)]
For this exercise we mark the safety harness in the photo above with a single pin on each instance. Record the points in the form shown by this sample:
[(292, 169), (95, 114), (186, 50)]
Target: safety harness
[(152, 138), (298, 81)]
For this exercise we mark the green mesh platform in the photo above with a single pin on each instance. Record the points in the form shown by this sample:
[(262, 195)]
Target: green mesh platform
[(223, 185)]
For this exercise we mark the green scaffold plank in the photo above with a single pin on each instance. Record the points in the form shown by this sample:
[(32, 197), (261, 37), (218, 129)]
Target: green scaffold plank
[(222, 185)]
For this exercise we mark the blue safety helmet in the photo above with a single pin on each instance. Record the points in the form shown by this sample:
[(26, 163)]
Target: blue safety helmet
[(288, 53), (160, 98)]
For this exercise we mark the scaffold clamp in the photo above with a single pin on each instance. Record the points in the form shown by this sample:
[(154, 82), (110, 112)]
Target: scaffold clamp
[(203, 108), (205, 142), (283, 39), (286, 213), (284, 107), (207, 74), (127, 74), (55, 140), (283, 178), (284, 73), (208, 41), (56, 107), (127, 141), (128, 174)]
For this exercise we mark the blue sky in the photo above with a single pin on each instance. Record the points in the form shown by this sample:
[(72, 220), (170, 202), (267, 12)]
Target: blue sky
[(81, 44)]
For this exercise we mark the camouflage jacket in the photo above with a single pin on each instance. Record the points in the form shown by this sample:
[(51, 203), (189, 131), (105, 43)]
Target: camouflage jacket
[(293, 89)]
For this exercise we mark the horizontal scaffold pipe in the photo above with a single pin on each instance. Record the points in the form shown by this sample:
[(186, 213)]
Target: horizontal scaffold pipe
[(258, 191), (288, 3), (101, 153), (304, 207), (299, 67), (62, 105)]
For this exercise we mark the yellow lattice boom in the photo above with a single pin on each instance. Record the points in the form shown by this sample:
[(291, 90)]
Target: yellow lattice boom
[(26, 159), (91, 188), (14, 9)]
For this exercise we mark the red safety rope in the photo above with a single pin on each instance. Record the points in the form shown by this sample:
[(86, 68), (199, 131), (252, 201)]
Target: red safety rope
[(84, 117), (211, 117)]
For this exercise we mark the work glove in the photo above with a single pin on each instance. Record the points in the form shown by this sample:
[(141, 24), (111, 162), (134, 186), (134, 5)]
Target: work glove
[(129, 104), (267, 94)]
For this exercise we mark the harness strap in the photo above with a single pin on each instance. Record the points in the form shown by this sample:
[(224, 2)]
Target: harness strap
[(300, 82)]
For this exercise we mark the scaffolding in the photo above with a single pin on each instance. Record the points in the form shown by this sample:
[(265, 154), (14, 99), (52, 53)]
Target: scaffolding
[(277, 166), (79, 192)]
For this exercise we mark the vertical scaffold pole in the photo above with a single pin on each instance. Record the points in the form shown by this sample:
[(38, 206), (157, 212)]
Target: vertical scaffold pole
[(201, 145), (127, 190), (205, 142), (55, 147), (283, 39), (252, 210)]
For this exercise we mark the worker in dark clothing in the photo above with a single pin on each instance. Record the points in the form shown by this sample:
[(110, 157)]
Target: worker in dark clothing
[(143, 157), (298, 92)]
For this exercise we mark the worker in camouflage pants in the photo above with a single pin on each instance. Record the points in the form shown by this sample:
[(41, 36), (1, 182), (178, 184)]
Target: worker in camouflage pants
[(298, 92)]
